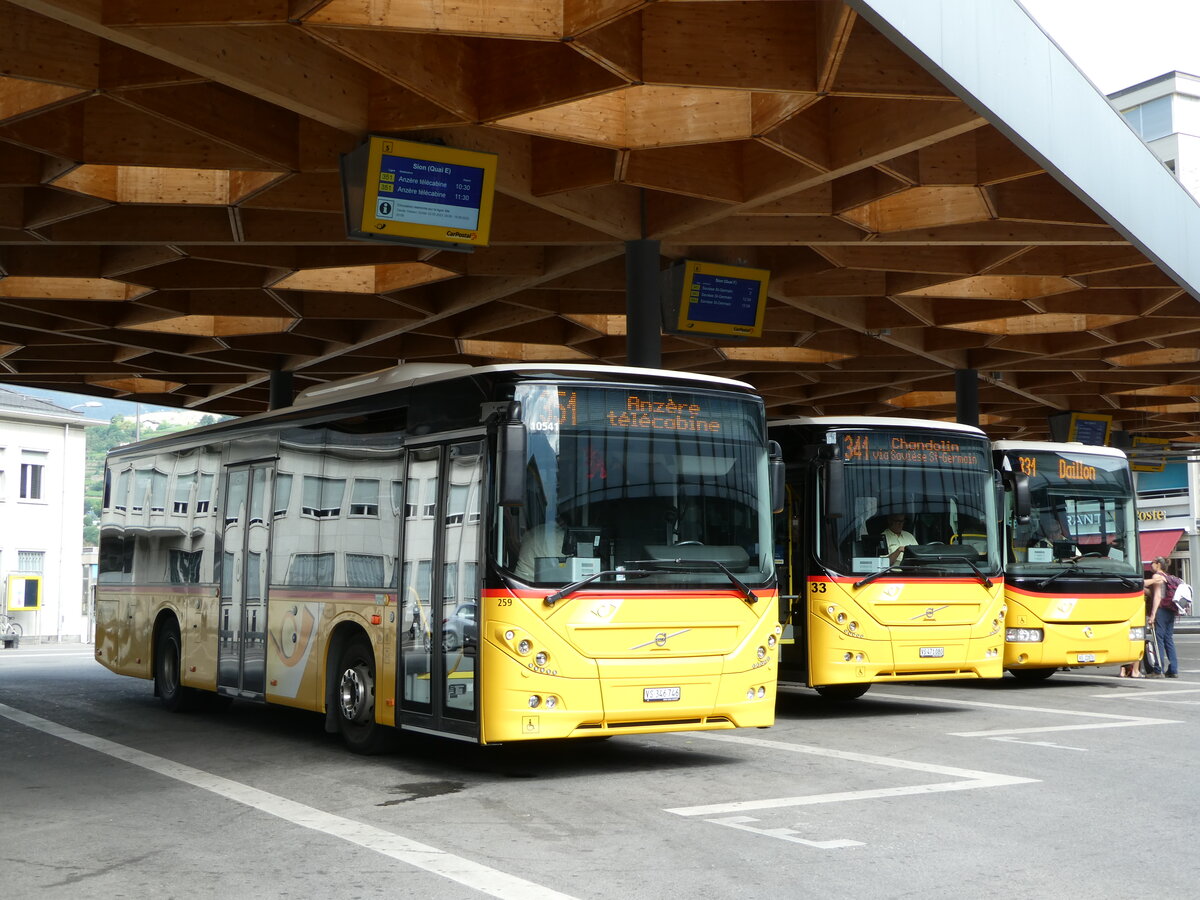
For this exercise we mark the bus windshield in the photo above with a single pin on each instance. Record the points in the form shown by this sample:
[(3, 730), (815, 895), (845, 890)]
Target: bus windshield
[(670, 482), (1082, 515), (917, 501)]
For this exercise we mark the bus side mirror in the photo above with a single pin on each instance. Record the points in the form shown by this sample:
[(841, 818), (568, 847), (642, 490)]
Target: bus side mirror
[(778, 473), (512, 450), (835, 489), (1022, 506)]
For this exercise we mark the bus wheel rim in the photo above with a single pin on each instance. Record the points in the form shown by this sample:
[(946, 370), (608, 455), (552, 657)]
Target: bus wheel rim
[(353, 695)]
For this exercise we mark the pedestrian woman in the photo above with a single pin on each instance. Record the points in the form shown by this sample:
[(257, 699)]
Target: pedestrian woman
[(1162, 613)]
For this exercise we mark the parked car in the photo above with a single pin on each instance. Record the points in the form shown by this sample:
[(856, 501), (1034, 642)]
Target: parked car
[(461, 628)]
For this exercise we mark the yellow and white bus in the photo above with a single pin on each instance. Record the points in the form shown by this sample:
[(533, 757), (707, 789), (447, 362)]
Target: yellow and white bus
[(493, 554), (889, 553), (1072, 574)]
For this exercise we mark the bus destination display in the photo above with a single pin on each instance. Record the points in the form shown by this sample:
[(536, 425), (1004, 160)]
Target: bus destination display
[(910, 449), (553, 410)]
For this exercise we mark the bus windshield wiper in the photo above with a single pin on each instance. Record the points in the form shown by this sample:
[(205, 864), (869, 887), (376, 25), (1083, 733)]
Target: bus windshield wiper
[(674, 565), (1074, 568), (983, 579), (569, 589), (865, 581)]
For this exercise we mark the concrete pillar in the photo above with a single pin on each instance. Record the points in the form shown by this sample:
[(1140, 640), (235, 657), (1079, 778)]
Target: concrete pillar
[(643, 318), (966, 389), (281, 389)]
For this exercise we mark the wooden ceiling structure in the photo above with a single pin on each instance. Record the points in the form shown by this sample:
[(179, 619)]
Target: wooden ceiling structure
[(171, 224)]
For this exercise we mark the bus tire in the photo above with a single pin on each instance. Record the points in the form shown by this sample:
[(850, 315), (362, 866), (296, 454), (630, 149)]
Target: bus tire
[(354, 697), (1033, 674), (842, 693), (168, 666)]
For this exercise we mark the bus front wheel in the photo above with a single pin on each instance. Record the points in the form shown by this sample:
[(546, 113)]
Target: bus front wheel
[(355, 699), (842, 693), (167, 667), (1032, 674)]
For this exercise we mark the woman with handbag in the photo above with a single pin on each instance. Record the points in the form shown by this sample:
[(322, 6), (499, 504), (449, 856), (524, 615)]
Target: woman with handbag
[(1162, 615)]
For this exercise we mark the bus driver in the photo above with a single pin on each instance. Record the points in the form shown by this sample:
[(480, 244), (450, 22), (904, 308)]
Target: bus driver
[(897, 538)]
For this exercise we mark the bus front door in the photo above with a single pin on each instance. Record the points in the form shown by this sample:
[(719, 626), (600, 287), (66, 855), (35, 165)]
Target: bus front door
[(242, 645), (442, 546)]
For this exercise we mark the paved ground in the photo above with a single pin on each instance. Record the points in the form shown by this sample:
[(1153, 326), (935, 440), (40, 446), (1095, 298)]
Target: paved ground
[(1079, 786)]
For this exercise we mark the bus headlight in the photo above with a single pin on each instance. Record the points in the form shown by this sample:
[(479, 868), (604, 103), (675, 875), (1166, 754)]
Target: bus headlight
[(509, 635), (551, 702), (762, 652), (841, 617), (541, 659), (534, 701), (1137, 633), (1024, 635), (524, 647), (771, 641), (762, 692)]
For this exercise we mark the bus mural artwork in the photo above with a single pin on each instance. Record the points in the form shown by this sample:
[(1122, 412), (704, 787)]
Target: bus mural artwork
[(888, 552), (496, 554)]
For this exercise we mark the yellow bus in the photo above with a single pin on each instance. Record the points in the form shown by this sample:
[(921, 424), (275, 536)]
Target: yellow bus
[(888, 553), (493, 554), (1073, 574)]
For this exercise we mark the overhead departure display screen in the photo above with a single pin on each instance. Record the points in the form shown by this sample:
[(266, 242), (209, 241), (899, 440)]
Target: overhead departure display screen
[(424, 195), (918, 448)]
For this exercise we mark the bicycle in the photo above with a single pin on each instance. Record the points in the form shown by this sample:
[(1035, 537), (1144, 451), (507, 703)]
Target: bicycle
[(10, 630)]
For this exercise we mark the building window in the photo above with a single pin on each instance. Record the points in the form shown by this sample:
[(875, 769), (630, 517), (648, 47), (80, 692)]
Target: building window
[(283, 494), (364, 497), (31, 562), (1152, 119), (311, 569), (33, 468), (183, 493), (184, 566), (323, 496), (204, 495), (364, 570)]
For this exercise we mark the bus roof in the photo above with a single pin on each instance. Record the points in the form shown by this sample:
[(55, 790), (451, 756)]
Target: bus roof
[(419, 373), (416, 374), (1058, 447), (877, 422)]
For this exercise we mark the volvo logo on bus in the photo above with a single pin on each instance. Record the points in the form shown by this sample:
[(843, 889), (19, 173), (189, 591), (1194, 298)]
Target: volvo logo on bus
[(660, 639), (928, 614)]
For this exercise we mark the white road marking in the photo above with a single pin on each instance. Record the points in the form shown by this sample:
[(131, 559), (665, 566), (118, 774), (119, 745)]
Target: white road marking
[(1053, 746), (27, 655), (1111, 720), (967, 779), (422, 856), (787, 834)]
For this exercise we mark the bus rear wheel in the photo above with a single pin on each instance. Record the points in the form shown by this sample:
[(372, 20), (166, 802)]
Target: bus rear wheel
[(842, 693), (354, 697), (167, 667), (1032, 674)]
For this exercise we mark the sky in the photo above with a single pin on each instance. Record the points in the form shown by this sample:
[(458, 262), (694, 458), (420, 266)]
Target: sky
[(1119, 43)]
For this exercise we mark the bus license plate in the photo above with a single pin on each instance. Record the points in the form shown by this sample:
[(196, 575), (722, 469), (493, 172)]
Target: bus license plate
[(932, 652), (650, 695), (1085, 657)]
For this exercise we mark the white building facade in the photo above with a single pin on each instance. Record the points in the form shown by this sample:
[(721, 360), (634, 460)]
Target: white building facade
[(1165, 112), (41, 517)]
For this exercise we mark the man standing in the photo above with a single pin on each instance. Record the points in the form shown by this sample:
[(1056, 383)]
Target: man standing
[(897, 538)]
